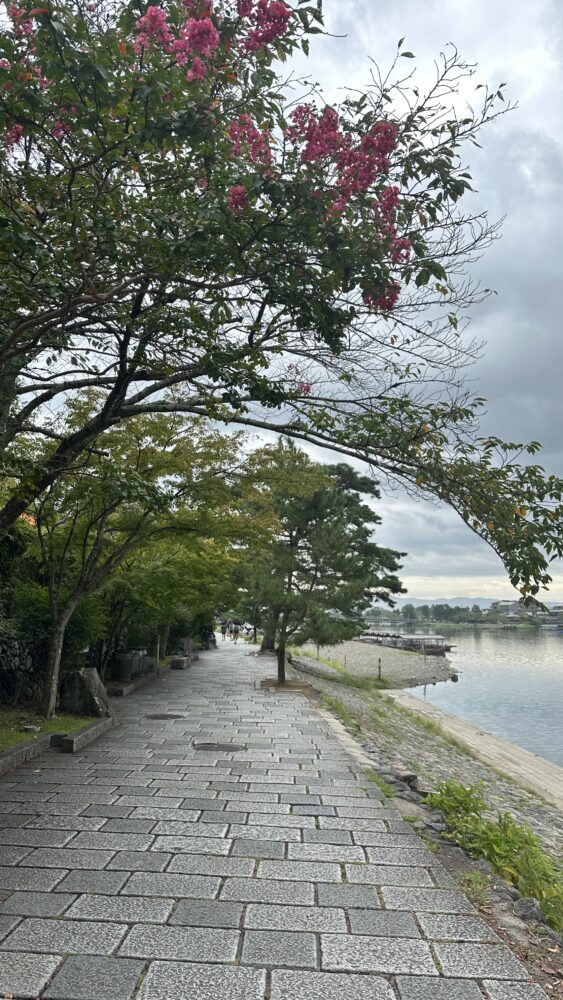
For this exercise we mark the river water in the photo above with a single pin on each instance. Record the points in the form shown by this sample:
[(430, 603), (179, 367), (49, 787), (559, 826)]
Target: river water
[(510, 684)]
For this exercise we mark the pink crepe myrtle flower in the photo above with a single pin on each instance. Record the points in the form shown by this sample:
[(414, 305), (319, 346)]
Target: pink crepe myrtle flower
[(197, 71), (237, 198), (304, 388), (271, 19), (4, 64), (60, 129), (202, 35), (322, 135), (202, 183), (385, 301), (245, 8), (243, 132), (195, 7), (13, 136), (153, 30)]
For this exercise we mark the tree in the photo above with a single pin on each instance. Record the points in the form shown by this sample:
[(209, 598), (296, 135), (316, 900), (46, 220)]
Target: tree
[(409, 614), (321, 570), (149, 479), (303, 269)]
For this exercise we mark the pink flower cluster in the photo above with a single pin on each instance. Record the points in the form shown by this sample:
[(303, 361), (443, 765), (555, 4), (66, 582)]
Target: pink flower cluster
[(304, 388), (385, 208), (385, 301), (322, 136), (197, 7), (358, 168), (243, 132), (23, 26), (4, 64), (60, 129), (270, 19), (237, 198), (13, 136), (197, 37), (153, 30)]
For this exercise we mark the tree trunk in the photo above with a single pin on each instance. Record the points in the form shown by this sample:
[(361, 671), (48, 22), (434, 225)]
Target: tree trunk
[(281, 652), (269, 637), (163, 633), (51, 681)]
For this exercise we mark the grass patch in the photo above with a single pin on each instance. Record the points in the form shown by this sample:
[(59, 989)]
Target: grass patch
[(12, 720), (432, 727), (341, 710), (513, 850), (475, 885), (385, 787)]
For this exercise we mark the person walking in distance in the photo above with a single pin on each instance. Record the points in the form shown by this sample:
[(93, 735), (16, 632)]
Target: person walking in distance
[(223, 630), (230, 630), (236, 631)]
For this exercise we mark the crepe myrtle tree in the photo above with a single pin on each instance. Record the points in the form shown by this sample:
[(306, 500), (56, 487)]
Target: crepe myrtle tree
[(186, 230)]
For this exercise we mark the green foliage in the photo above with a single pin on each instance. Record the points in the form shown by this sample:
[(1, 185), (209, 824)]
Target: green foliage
[(12, 720), (513, 850), (381, 783), (340, 709)]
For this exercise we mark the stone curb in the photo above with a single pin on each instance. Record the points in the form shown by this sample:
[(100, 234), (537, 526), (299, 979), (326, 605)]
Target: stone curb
[(117, 690), (67, 742), (10, 759)]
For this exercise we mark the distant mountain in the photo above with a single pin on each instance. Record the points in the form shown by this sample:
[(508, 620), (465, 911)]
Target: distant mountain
[(453, 602)]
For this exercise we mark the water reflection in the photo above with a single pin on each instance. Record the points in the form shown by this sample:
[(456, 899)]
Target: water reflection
[(510, 682)]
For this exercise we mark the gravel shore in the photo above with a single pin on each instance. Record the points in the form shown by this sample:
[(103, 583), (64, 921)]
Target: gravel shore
[(402, 669)]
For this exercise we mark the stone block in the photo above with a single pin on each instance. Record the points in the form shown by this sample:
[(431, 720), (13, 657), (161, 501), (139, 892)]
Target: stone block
[(482, 961), (39, 879), (295, 918), (422, 988), (308, 871), (355, 953), (408, 856), (325, 852), (127, 909), (383, 923), (388, 875), (288, 985), (449, 927), (170, 885), (37, 904), (247, 890), (201, 982), (65, 936), (348, 895), (354, 825), (186, 944), (24, 975), (100, 840), (108, 883), (207, 913), (272, 833), (288, 821), (275, 948), (426, 900), (514, 991), (258, 849), (7, 924), (82, 693), (210, 816), (129, 825), (52, 857), (202, 865), (114, 978), (143, 861), (31, 838), (192, 845), (327, 837)]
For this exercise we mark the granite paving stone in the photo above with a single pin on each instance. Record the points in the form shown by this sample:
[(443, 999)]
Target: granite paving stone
[(108, 812), (327, 837), (399, 856), (279, 833), (250, 806), (128, 909), (258, 849), (345, 823), (324, 852), (513, 991), (427, 900), (268, 891), (287, 985), (194, 844), (187, 944), (23, 975), (61, 857), (40, 879), (32, 838), (12, 855), (207, 913), (144, 861), (275, 948), (7, 924), (348, 895), (108, 883), (383, 923), (37, 904), (72, 824), (88, 977), (210, 816), (202, 865), (485, 961), (65, 936), (100, 840), (360, 953), (172, 885), (422, 988), (128, 825), (387, 875), (261, 916), (449, 927), (165, 980), (309, 871), (367, 838)]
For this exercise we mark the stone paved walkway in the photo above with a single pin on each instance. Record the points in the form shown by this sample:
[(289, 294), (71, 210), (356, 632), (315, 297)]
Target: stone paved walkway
[(145, 868)]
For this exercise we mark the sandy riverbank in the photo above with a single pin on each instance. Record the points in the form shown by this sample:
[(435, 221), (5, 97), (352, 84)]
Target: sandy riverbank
[(402, 669)]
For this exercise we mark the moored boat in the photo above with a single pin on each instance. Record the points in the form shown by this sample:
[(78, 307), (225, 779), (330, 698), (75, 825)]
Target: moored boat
[(429, 645)]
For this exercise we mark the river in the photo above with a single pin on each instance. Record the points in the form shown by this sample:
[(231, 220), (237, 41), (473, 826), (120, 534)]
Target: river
[(510, 683)]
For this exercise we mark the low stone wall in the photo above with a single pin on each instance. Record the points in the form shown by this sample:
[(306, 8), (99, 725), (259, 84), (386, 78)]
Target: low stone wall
[(19, 677)]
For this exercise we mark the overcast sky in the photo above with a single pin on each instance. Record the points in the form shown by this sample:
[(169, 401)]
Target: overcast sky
[(519, 175)]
